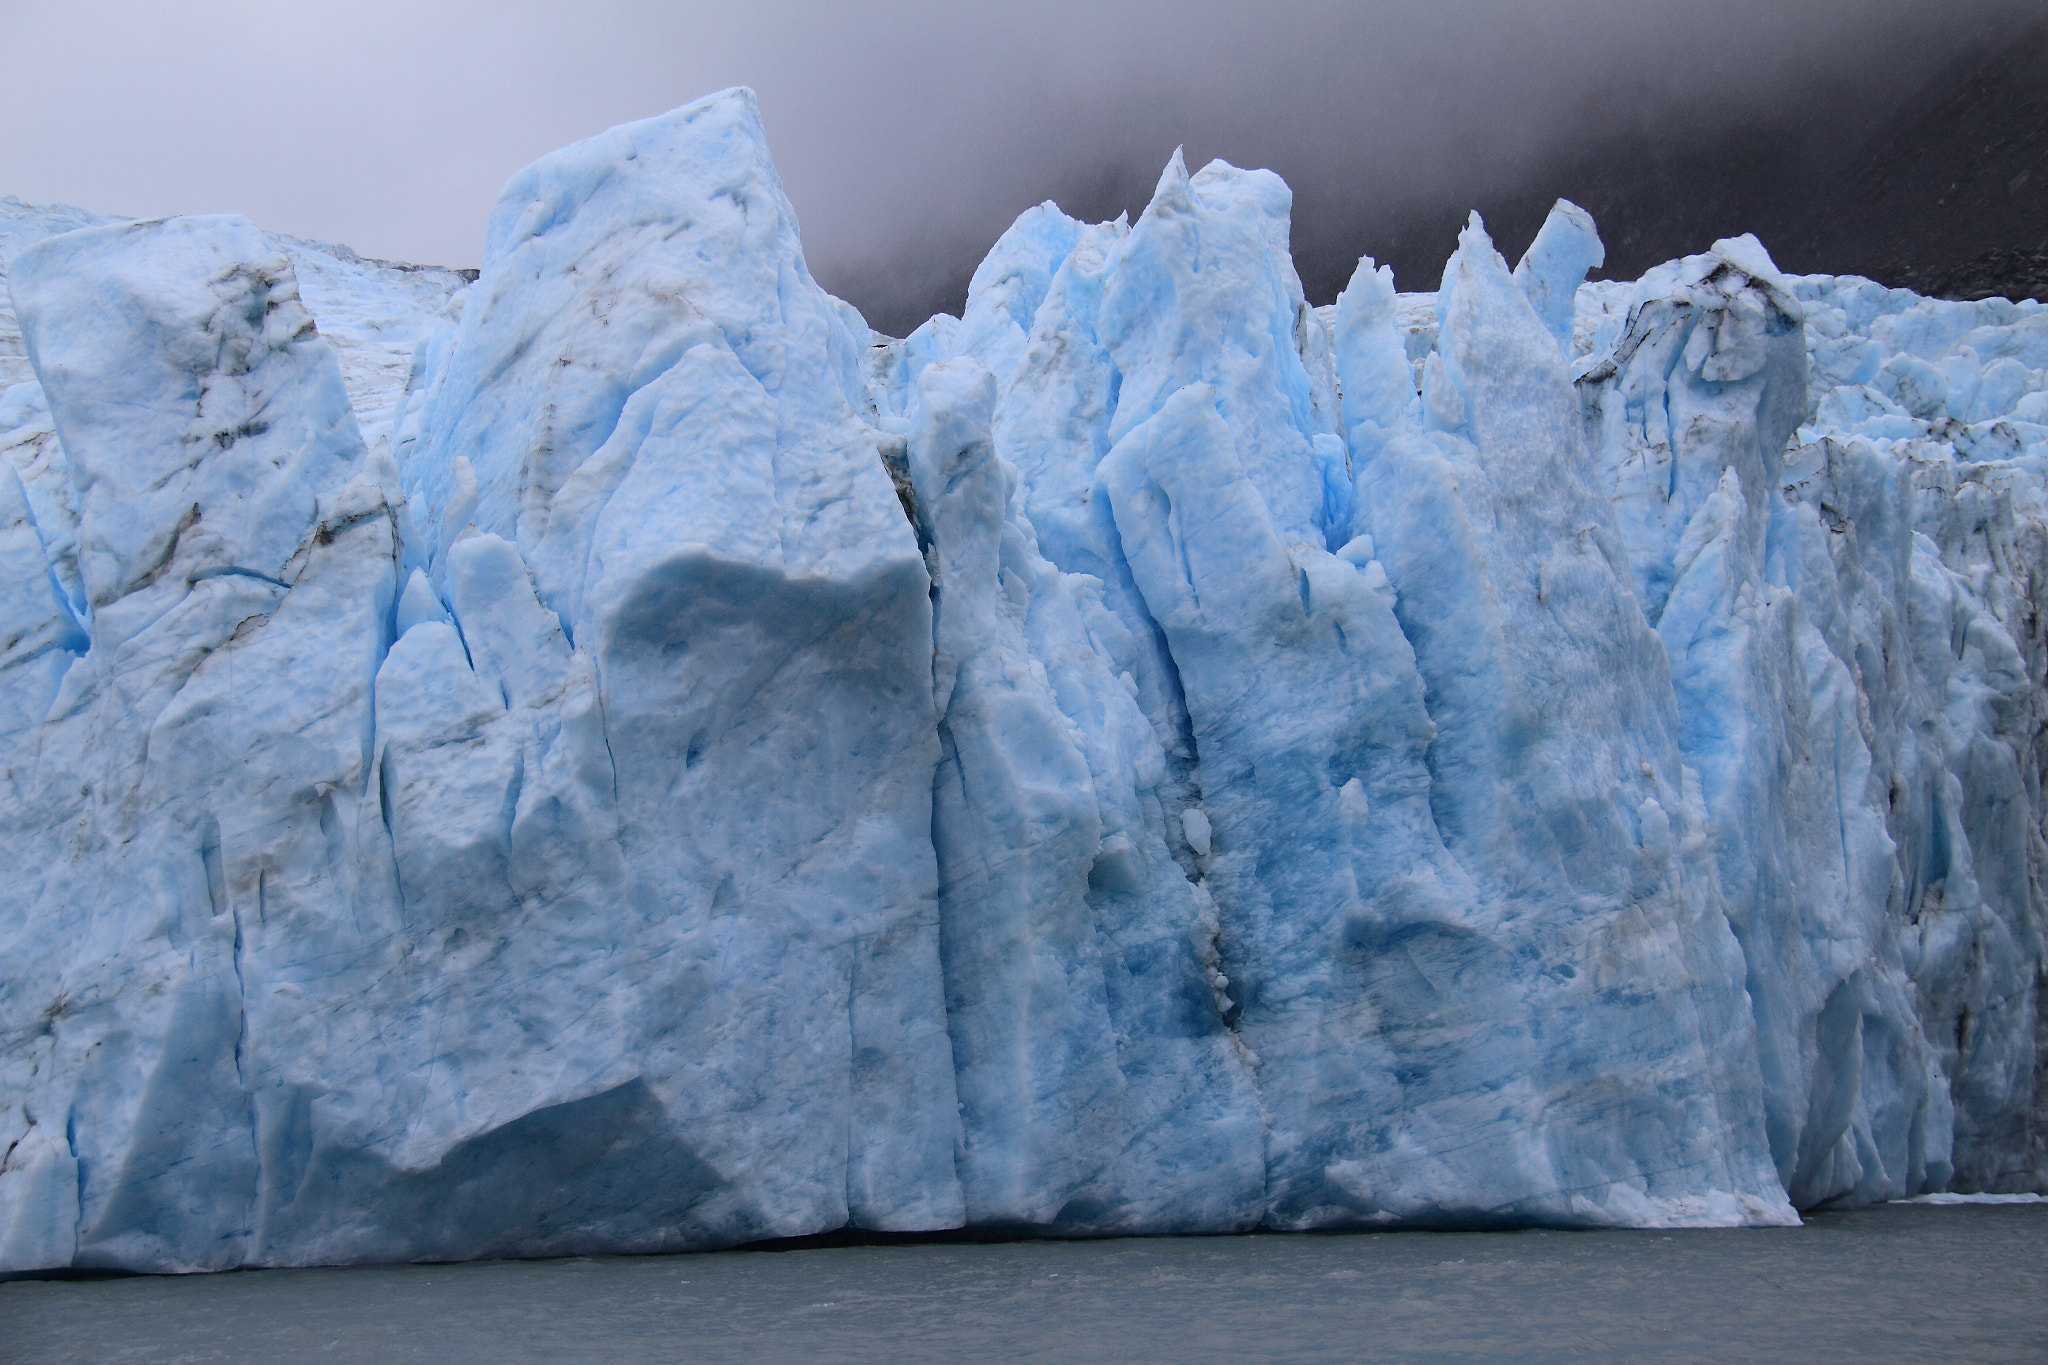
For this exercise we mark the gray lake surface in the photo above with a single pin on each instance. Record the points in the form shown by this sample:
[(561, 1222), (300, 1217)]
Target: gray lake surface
[(1896, 1283)]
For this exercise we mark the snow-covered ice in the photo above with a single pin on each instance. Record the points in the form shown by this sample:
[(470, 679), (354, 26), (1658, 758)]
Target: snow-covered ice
[(616, 756)]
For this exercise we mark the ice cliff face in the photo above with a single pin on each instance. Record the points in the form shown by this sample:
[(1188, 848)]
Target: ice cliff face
[(617, 757)]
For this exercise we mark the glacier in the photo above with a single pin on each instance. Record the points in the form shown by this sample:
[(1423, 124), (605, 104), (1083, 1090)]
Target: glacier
[(613, 755)]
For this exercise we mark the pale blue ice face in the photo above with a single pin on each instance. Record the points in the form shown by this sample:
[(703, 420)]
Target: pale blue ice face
[(619, 757)]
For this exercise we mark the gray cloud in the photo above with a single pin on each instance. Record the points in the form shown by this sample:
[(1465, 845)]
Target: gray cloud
[(909, 134)]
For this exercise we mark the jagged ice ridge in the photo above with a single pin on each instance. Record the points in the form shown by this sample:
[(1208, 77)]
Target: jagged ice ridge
[(617, 756)]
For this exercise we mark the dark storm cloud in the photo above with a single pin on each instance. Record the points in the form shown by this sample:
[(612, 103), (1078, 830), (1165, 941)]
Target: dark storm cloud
[(910, 134)]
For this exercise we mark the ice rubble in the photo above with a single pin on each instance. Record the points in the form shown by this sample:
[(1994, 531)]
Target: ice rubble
[(619, 757)]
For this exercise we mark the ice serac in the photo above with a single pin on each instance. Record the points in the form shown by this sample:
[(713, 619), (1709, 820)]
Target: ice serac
[(1773, 728), (605, 263), (711, 696), (493, 941), (1853, 690), (191, 798), (1191, 456), (618, 757), (1555, 784), (1555, 265), (1099, 1088)]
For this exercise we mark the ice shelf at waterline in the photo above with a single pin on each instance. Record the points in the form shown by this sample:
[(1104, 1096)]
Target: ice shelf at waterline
[(616, 756)]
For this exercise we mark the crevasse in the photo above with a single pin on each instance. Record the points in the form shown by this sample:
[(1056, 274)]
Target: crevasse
[(616, 756)]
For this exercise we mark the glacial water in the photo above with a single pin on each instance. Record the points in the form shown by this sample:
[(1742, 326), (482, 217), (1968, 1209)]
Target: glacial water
[(1891, 1283)]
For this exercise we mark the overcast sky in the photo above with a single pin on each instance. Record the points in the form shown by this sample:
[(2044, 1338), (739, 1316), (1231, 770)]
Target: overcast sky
[(908, 134)]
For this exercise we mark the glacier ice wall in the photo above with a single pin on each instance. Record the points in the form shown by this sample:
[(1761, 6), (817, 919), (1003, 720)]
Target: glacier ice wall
[(616, 756)]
